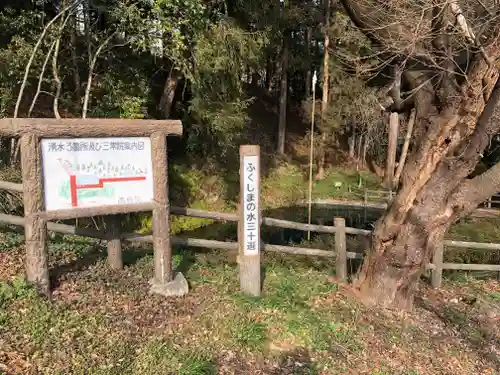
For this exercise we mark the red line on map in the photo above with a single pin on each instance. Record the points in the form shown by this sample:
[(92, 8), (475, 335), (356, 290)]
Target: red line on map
[(100, 185), (74, 195)]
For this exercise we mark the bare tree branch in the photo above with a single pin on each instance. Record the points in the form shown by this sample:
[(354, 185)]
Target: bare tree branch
[(55, 70), (57, 80), (467, 30), (406, 145), (40, 79), (91, 73), (15, 149), (33, 53)]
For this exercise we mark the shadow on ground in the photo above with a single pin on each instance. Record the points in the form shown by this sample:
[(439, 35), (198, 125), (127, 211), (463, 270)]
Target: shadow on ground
[(474, 320), (91, 253), (297, 362)]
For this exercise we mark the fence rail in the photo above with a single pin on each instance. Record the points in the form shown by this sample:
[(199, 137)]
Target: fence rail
[(369, 195), (339, 230)]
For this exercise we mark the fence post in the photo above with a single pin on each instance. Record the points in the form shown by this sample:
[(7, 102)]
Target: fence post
[(37, 271), (489, 202), (437, 272), (249, 220), (113, 229), (340, 248), (366, 196)]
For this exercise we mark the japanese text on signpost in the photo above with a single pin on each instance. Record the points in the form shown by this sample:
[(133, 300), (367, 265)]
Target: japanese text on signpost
[(251, 207)]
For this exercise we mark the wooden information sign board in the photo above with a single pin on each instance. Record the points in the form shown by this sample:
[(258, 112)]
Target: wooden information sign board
[(90, 167)]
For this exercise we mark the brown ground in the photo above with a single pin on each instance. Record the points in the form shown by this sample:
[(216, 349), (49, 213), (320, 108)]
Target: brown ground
[(103, 322)]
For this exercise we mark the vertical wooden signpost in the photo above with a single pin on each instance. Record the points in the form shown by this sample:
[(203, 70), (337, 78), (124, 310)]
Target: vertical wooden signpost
[(75, 168), (250, 220)]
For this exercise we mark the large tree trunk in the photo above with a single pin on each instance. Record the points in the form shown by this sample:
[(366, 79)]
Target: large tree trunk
[(452, 129), (392, 268), (435, 191), (283, 97)]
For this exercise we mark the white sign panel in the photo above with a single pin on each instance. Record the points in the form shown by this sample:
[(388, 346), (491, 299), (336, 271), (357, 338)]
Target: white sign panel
[(90, 172), (251, 209)]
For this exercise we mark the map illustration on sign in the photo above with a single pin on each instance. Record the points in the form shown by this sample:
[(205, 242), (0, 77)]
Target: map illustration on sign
[(96, 172)]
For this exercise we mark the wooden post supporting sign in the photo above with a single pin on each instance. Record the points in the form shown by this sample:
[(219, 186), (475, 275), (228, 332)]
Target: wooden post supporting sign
[(114, 245), (35, 230), (250, 220), (161, 213)]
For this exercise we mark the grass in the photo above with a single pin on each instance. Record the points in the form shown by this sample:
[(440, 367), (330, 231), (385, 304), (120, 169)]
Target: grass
[(105, 322)]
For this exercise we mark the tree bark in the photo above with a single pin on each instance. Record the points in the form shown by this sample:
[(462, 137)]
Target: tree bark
[(324, 101), (426, 205), (391, 271), (167, 98), (283, 98)]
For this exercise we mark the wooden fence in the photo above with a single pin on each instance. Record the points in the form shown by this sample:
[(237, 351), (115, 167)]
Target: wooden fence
[(339, 229), (368, 196)]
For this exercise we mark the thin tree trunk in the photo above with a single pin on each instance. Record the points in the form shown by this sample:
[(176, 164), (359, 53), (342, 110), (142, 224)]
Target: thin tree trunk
[(358, 155), (283, 98), (352, 144), (255, 78), (14, 150), (308, 51), (57, 80), (40, 79), (93, 62), (324, 102), (365, 149), (391, 149), (269, 74), (167, 98), (404, 152), (74, 60), (88, 31)]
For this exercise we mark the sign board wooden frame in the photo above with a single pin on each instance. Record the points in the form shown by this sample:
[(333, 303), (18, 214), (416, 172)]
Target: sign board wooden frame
[(31, 131)]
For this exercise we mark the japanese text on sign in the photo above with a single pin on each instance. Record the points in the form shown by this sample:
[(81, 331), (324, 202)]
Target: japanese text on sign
[(251, 210), (82, 146), (94, 172)]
